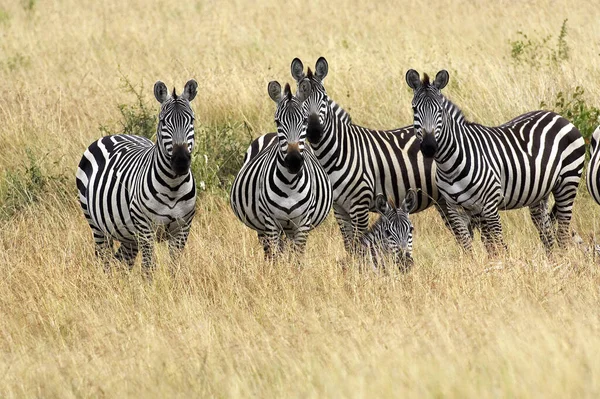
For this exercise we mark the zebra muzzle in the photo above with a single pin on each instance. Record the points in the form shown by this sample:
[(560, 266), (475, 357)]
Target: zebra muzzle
[(181, 159), (314, 130), (429, 145), (293, 160)]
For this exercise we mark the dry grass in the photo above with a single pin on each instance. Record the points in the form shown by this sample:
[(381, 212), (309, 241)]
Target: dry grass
[(227, 324)]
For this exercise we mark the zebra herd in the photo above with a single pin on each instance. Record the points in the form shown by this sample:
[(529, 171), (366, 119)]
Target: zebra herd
[(137, 192)]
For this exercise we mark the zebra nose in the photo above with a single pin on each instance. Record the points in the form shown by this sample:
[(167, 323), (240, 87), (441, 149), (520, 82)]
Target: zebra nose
[(181, 159), (428, 144), (293, 160), (314, 130)]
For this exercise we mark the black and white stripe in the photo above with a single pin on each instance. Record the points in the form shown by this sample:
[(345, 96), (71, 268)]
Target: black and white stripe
[(134, 191), (392, 234), (486, 169), (593, 169), (283, 189), (361, 162)]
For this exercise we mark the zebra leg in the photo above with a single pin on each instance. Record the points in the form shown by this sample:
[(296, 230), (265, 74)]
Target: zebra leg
[(271, 242), (491, 230), (103, 248), (442, 207), (563, 211), (176, 244), (352, 226), (541, 220), (126, 253), (460, 227), (299, 240)]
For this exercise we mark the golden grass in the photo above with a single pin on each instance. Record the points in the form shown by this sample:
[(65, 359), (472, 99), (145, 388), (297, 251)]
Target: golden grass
[(227, 324)]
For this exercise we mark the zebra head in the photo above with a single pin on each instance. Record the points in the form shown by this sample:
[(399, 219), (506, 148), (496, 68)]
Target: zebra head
[(175, 132), (392, 234), (291, 120), (428, 108), (318, 101)]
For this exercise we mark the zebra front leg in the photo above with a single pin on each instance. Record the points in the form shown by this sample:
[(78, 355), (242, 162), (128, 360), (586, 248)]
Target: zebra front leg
[(541, 219), (491, 231), (176, 245), (127, 253), (271, 242), (461, 229), (352, 227)]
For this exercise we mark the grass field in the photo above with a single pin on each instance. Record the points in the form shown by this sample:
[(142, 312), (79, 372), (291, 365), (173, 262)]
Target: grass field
[(228, 325)]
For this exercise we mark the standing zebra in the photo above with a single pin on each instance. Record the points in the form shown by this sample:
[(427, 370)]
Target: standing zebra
[(485, 169), (283, 189), (135, 191), (361, 162), (392, 233), (593, 169)]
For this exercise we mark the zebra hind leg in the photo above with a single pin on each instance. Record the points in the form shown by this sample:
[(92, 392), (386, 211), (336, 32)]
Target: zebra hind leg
[(562, 212), (103, 248), (541, 219), (127, 253)]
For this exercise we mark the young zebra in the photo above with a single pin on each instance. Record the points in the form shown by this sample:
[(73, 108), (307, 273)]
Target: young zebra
[(283, 189), (135, 191), (487, 169), (593, 169), (391, 234), (361, 162)]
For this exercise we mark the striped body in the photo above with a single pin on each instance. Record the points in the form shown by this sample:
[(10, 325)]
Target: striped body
[(271, 199), (593, 169), (361, 162), (136, 192), (486, 169)]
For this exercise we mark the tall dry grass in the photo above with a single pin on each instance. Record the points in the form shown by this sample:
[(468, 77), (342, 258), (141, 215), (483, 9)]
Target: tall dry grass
[(227, 324)]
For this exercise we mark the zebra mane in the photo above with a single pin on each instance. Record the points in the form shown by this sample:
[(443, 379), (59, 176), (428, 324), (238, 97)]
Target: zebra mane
[(340, 112), (287, 91), (309, 74), (174, 95), (425, 80), (454, 111)]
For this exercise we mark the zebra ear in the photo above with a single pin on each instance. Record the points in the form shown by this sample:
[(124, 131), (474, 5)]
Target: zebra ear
[(441, 79), (410, 201), (304, 90), (381, 204), (321, 68), (190, 89), (161, 92), (297, 70), (413, 79), (274, 89)]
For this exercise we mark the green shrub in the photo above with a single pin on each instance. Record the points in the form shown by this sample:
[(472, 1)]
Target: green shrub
[(27, 185), (574, 107), (139, 118), (536, 52), (219, 154)]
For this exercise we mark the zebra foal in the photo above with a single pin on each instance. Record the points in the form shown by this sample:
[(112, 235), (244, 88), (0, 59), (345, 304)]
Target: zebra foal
[(135, 191), (283, 190), (486, 169)]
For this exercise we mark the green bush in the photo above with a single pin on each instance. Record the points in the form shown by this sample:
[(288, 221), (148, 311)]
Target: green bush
[(537, 51), (574, 107), (139, 118), (27, 185), (219, 154)]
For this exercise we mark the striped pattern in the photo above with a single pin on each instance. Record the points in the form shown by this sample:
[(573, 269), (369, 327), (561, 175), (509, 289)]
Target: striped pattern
[(134, 191), (593, 169), (361, 162), (283, 190), (391, 235), (486, 169)]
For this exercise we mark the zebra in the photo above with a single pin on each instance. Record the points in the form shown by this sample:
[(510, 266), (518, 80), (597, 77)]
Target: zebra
[(361, 162), (484, 169), (392, 233), (593, 169), (134, 191), (283, 190)]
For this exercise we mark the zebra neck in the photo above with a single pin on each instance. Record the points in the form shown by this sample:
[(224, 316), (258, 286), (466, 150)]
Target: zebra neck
[(450, 151), (334, 127), (282, 174), (162, 173)]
